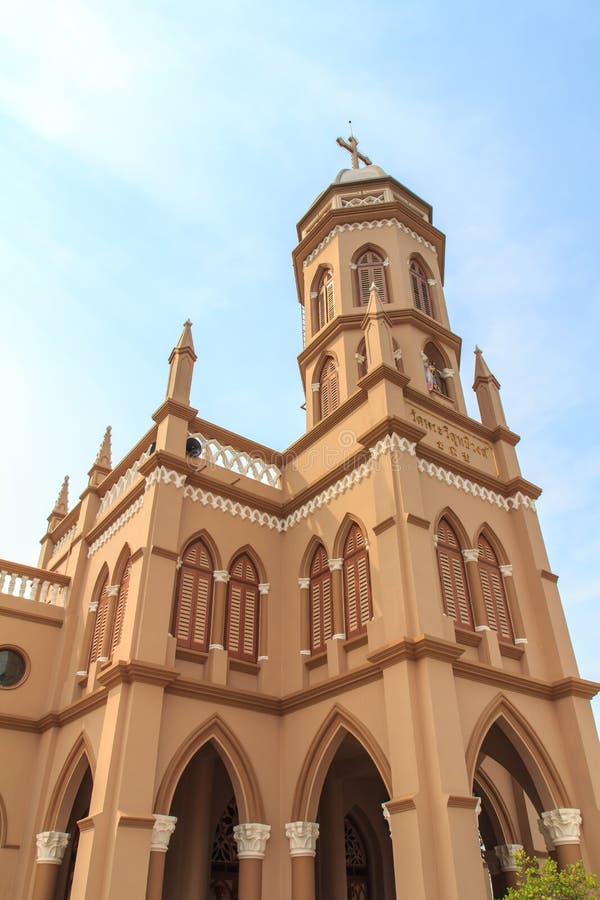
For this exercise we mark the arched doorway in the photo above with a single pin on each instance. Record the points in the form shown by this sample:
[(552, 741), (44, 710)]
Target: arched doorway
[(79, 810), (354, 851), (202, 858)]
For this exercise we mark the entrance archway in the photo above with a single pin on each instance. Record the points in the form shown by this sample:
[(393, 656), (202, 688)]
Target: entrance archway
[(79, 810)]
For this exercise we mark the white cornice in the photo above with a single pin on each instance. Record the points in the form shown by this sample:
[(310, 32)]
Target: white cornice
[(366, 226)]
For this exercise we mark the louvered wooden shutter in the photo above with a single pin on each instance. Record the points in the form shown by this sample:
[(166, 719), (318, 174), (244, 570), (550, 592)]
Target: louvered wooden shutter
[(455, 592), (421, 296), (358, 607), (193, 605), (328, 391), (242, 610), (100, 623), (494, 595), (371, 271), (321, 612), (330, 300), (121, 604)]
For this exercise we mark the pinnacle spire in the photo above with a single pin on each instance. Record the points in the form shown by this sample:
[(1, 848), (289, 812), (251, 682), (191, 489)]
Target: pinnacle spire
[(182, 359), (378, 331), (481, 367), (61, 507), (487, 388), (186, 340), (103, 457)]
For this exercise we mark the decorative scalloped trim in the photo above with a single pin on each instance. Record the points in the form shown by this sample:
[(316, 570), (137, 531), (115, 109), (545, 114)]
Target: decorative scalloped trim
[(167, 476), (116, 525), (119, 487), (64, 540), (471, 487), (369, 226)]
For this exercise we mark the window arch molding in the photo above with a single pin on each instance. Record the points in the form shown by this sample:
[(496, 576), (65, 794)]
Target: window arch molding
[(457, 602), (327, 397), (322, 298), (203, 535), (194, 596), (309, 551), (373, 268), (243, 605), (99, 596), (501, 617), (437, 369), (461, 532), (490, 535), (348, 521), (249, 550), (422, 294), (320, 598), (356, 580), (121, 575)]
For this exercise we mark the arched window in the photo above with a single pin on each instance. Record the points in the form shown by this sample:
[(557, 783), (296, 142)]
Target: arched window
[(241, 628), (453, 578), (121, 603), (324, 308), (436, 371), (420, 288), (494, 595), (357, 863), (358, 606), (329, 395), (361, 359), (224, 865), (101, 595), (321, 609), (193, 598), (370, 270)]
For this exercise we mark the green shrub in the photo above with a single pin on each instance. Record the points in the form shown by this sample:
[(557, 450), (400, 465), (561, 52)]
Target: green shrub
[(546, 882)]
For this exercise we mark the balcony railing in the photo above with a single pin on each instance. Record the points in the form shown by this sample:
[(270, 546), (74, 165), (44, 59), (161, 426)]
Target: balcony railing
[(33, 584)]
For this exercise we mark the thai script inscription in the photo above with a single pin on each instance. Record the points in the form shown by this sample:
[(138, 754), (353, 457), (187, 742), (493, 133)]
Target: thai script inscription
[(458, 444)]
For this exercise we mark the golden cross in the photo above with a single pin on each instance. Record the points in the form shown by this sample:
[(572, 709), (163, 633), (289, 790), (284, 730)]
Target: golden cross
[(351, 146)]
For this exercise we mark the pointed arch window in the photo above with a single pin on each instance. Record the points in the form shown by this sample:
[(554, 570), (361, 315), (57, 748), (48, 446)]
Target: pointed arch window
[(370, 269), (121, 604), (241, 627), (194, 597), (453, 577), (494, 595), (436, 371), (358, 604), (361, 359), (321, 604), (420, 288), (101, 619), (357, 863), (325, 307), (224, 865), (329, 394)]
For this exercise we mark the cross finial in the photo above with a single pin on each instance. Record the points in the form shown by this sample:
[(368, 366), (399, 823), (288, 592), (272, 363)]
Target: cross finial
[(351, 145)]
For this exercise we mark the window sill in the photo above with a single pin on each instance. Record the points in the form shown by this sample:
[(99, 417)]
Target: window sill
[(316, 660), (191, 655), (244, 665), (357, 640), (512, 651), (466, 636)]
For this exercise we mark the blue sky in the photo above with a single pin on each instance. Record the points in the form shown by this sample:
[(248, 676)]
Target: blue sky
[(155, 157)]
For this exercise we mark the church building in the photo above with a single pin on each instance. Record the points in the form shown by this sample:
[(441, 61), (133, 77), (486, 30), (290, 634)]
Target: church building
[(339, 671)]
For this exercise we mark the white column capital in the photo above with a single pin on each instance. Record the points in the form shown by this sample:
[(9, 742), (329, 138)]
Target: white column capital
[(113, 590), (471, 555), (506, 854), (563, 825), (387, 817), (302, 837), (304, 584), (544, 831), (251, 839), (51, 846), (315, 388), (263, 589), (163, 828), (93, 606), (506, 571), (335, 564), (221, 575)]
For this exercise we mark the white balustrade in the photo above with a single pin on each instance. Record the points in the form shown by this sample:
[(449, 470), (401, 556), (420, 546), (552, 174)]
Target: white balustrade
[(37, 585), (239, 461)]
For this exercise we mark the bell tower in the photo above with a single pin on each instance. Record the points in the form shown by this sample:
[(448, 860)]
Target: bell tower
[(368, 236)]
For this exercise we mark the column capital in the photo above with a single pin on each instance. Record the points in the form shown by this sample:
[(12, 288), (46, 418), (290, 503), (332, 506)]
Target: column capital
[(335, 564), (304, 584), (506, 854), (51, 846), (544, 831), (387, 816), (163, 828), (263, 589), (221, 575), (93, 606), (506, 571), (251, 839), (302, 837), (315, 387), (471, 555), (113, 590), (563, 825)]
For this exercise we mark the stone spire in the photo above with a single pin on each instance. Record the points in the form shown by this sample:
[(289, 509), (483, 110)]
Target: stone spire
[(61, 507), (378, 332), (181, 361), (487, 389), (102, 464)]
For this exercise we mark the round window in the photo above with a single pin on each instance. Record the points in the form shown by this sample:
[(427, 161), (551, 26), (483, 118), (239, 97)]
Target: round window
[(12, 667)]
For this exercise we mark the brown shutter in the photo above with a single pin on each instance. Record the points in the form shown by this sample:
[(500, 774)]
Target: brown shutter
[(121, 604), (242, 610), (100, 623), (494, 595), (421, 295), (371, 271), (328, 391), (358, 606), (364, 285), (453, 579), (321, 613), (330, 301), (193, 604)]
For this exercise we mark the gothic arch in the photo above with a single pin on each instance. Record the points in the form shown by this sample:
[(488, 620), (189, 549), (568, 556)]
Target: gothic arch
[(430, 341), (256, 561), (99, 582), (324, 745), (347, 522), (320, 362), (203, 535), (544, 775), (457, 525), (67, 784), (385, 284), (119, 568), (315, 541), (490, 535), (236, 761), (504, 826)]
